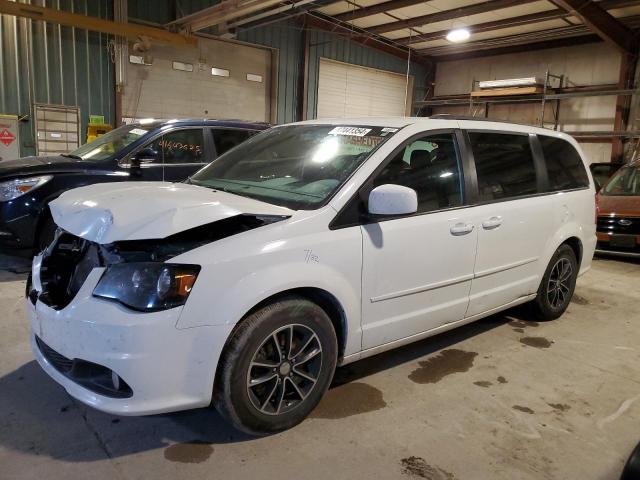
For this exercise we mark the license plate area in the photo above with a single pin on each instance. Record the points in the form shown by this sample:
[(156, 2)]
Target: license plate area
[(622, 241)]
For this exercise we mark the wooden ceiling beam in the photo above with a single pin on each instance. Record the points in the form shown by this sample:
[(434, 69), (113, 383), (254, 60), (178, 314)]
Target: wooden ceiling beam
[(601, 22), (445, 15), (68, 19)]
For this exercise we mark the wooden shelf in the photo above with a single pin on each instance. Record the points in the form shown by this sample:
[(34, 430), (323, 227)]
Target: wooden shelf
[(511, 91)]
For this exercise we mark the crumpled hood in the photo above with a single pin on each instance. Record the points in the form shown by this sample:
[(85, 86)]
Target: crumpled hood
[(108, 212)]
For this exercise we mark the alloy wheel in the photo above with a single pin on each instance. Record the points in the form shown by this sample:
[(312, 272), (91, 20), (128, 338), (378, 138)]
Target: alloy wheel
[(284, 369), (559, 285)]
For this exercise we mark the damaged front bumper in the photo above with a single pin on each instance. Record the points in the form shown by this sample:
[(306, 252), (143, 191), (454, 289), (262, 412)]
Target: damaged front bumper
[(166, 368)]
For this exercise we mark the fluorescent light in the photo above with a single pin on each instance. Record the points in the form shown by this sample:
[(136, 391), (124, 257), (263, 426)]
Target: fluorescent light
[(458, 35)]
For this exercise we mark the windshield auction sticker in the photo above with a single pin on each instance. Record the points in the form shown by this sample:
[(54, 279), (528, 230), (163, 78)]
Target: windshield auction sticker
[(350, 131)]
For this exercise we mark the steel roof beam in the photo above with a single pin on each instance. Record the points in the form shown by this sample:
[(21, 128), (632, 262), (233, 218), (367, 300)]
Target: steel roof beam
[(528, 19), (602, 23), (445, 15)]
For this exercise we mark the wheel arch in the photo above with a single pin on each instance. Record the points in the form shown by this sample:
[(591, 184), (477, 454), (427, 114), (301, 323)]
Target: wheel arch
[(324, 299), (576, 245)]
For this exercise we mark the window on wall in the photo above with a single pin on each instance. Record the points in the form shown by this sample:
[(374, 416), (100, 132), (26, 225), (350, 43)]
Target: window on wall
[(564, 165), (431, 167), (180, 146), (504, 165)]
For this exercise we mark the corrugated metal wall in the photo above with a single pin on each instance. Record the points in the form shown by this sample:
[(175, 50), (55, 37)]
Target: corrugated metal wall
[(165, 11), (45, 63), (328, 45), (287, 38)]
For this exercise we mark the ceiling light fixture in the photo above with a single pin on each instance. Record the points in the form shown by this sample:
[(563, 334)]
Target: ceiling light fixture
[(458, 35)]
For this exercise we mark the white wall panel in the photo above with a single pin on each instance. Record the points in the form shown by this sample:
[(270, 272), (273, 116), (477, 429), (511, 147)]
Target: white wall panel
[(346, 90), (160, 91)]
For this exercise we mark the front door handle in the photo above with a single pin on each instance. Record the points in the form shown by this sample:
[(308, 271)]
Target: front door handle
[(461, 229), (493, 222)]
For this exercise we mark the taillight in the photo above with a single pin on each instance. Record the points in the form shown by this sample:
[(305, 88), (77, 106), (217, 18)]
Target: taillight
[(597, 206)]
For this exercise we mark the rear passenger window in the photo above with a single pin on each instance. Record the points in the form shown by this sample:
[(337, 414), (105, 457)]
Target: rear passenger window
[(227, 139), (504, 165), (564, 165)]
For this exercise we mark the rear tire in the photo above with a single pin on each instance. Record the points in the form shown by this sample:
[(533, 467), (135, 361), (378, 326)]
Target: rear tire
[(276, 366), (557, 285)]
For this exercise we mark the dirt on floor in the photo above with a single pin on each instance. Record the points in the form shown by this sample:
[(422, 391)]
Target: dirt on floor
[(503, 398)]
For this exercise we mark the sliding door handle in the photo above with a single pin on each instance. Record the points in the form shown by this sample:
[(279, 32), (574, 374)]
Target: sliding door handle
[(461, 229), (493, 222)]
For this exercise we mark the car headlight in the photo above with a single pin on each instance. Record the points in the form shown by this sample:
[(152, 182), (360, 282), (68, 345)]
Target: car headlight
[(147, 286), (15, 188)]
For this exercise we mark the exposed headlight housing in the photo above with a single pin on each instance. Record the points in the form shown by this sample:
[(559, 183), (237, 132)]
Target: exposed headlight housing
[(18, 187), (147, 286)]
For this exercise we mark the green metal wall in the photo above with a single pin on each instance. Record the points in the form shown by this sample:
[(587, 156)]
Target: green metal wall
[(328, 45), (288, 37), (46, 63)]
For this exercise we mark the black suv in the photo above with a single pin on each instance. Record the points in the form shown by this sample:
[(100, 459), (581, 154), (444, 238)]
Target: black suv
[(149, 151)]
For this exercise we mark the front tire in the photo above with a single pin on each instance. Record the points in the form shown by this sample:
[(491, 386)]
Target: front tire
[(276, 367), (557, 285)]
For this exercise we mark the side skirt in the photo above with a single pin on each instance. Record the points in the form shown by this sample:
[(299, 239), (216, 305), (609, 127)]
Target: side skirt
[(429, 333)]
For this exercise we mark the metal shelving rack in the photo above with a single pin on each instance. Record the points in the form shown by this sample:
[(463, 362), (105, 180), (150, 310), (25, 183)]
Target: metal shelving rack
[(554, 90), (547, 87)]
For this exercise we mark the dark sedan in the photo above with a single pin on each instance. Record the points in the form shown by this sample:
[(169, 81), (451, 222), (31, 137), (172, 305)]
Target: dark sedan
[(150, 151)]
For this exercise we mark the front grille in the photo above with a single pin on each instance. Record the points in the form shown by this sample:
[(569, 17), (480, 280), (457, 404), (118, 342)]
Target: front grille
[(66, 264), (94, 377), (59, 362), (619, 225)]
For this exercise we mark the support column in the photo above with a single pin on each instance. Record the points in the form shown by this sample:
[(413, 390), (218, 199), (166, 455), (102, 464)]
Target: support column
[(628, 64)]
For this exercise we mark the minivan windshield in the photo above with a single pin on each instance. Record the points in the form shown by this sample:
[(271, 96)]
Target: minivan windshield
[(105, 146), (296, 166), (626, 182)]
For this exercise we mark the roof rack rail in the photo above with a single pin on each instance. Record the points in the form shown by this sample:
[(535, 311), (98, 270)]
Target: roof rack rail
[(450, 116)]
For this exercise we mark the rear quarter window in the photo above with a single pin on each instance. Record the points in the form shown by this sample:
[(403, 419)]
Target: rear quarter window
[(564, 165)]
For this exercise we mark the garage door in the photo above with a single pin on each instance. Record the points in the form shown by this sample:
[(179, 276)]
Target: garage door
[(346, 90), (216, 80)]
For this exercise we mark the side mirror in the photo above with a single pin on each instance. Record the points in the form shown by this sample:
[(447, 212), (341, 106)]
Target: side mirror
[(146, 155), (393, 200)]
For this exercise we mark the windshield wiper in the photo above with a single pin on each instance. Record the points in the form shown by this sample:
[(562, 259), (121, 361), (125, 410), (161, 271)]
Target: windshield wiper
[(70, 155)]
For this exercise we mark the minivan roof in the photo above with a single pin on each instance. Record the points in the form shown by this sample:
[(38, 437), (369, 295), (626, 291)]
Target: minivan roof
[(399, 122)]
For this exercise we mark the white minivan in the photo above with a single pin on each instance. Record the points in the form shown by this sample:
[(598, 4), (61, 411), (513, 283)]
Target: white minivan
[(311, 245)]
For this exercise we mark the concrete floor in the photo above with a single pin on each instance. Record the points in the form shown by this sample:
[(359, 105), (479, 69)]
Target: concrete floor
[(504, 398)]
